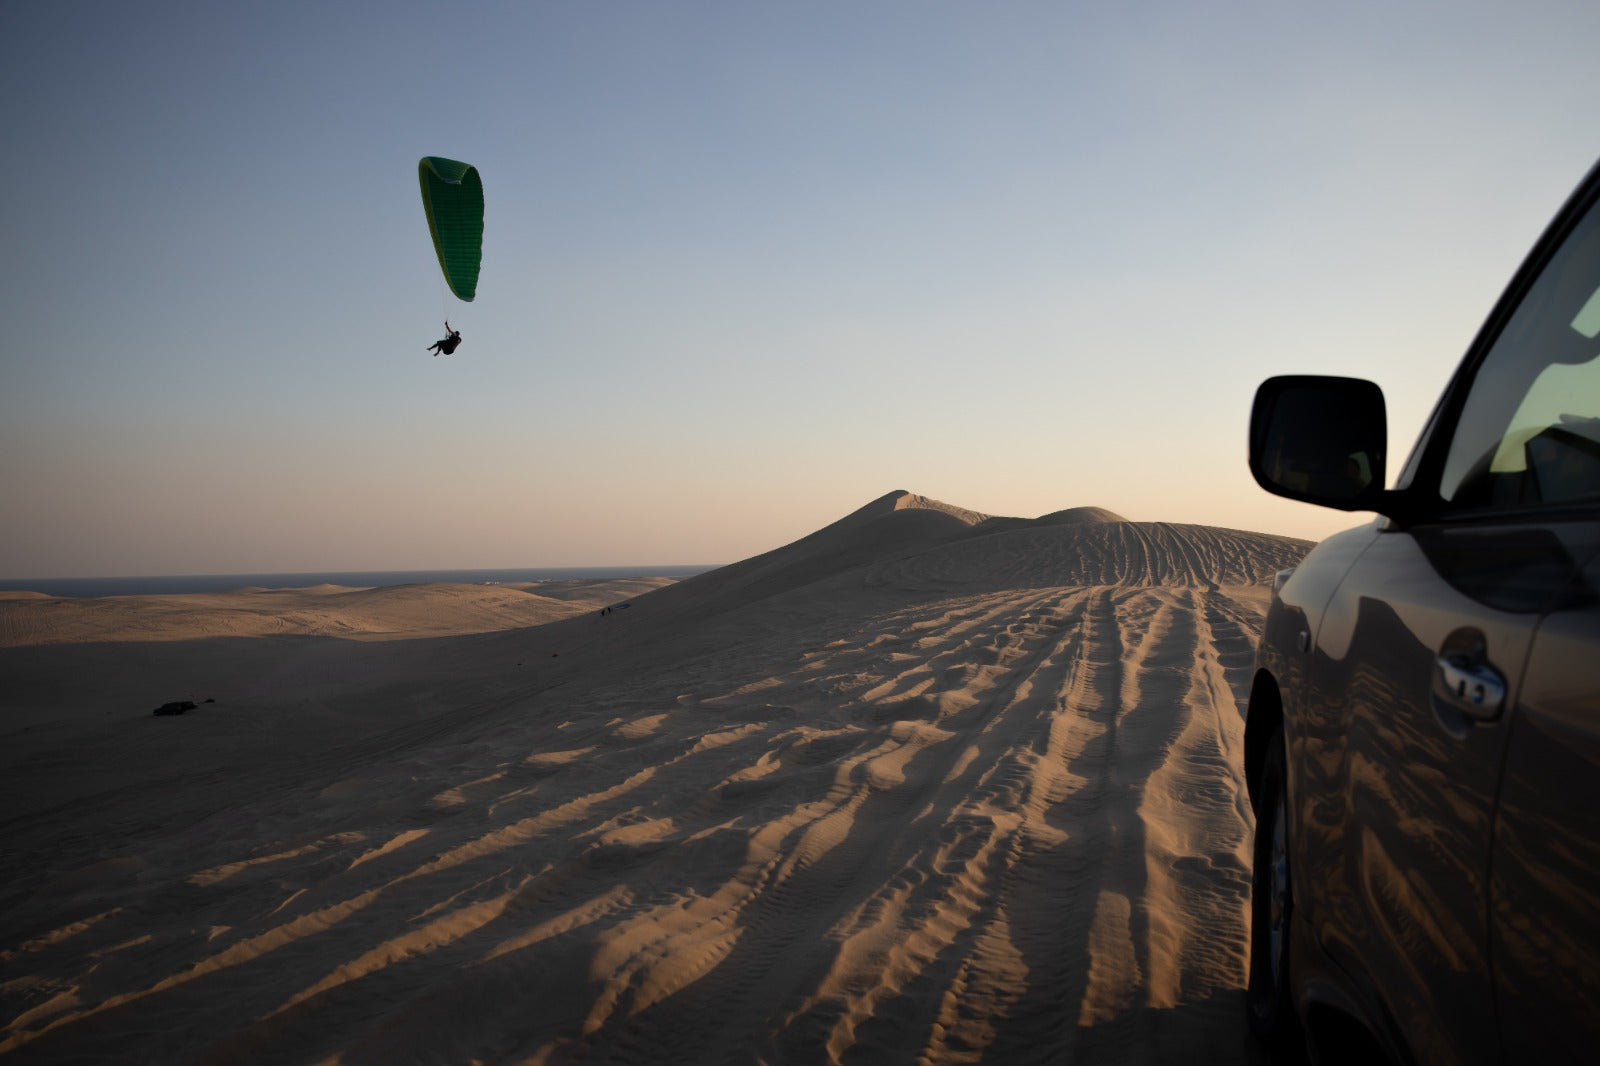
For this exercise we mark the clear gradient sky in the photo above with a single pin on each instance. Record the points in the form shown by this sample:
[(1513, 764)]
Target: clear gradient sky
[(747, 265)]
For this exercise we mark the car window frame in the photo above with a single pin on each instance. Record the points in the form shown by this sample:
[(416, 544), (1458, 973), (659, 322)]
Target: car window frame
[(1417, 484)]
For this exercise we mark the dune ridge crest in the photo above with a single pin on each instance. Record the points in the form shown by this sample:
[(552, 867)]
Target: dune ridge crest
[(915, 544), (925, 785)]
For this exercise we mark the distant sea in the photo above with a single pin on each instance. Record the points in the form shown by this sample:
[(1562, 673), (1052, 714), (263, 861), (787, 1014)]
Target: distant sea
[(174, 585)]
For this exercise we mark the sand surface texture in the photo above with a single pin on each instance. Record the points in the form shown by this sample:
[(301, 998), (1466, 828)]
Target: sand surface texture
[(925, 786)]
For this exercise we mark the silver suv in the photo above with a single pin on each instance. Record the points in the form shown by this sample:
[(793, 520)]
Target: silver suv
[(1423, 738)]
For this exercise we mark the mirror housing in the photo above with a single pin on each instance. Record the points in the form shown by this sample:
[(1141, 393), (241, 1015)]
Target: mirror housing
[(1321, 440)]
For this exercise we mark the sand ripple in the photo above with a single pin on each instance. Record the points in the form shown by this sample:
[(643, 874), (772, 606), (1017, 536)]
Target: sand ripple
[(980, 800)]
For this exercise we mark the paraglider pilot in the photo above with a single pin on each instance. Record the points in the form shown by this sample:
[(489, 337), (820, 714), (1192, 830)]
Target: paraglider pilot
[(448, 345)]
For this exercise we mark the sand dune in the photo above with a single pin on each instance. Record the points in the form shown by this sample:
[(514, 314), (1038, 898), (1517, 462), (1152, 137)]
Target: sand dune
[(926, 785), (402, 611)]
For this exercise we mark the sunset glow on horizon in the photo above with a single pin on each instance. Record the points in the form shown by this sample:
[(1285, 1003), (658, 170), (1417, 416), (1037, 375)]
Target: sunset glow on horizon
[(745, 267)]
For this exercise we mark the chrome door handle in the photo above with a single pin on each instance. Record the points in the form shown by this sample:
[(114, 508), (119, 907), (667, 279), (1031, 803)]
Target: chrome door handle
[(1477, 691)]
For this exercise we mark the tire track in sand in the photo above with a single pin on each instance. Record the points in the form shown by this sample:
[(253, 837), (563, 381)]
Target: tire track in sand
[(979, 813)]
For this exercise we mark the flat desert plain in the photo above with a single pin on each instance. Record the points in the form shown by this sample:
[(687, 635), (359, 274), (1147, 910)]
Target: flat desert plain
[(925, 786)]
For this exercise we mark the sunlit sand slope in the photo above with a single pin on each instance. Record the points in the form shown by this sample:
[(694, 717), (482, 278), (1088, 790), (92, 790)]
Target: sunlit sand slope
[(926, 786), (407, 611)]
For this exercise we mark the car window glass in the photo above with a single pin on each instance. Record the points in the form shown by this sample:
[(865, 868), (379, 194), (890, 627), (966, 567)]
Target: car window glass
[(1529, 432)]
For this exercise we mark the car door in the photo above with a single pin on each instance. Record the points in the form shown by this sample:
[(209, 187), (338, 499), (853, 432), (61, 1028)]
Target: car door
[(1397, 786), (1420, 693), (1545, 872)]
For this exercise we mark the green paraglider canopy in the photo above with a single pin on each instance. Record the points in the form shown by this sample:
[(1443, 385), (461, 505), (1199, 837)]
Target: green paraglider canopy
[(452, 195)]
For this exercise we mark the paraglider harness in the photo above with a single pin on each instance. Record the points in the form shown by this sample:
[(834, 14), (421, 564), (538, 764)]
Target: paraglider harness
[(448, 345)]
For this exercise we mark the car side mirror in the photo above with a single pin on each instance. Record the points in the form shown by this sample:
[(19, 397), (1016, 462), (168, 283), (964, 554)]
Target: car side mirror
[(1321, 440)]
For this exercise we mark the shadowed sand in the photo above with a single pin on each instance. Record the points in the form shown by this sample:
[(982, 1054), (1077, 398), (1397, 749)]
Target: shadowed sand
[(925, 785)]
